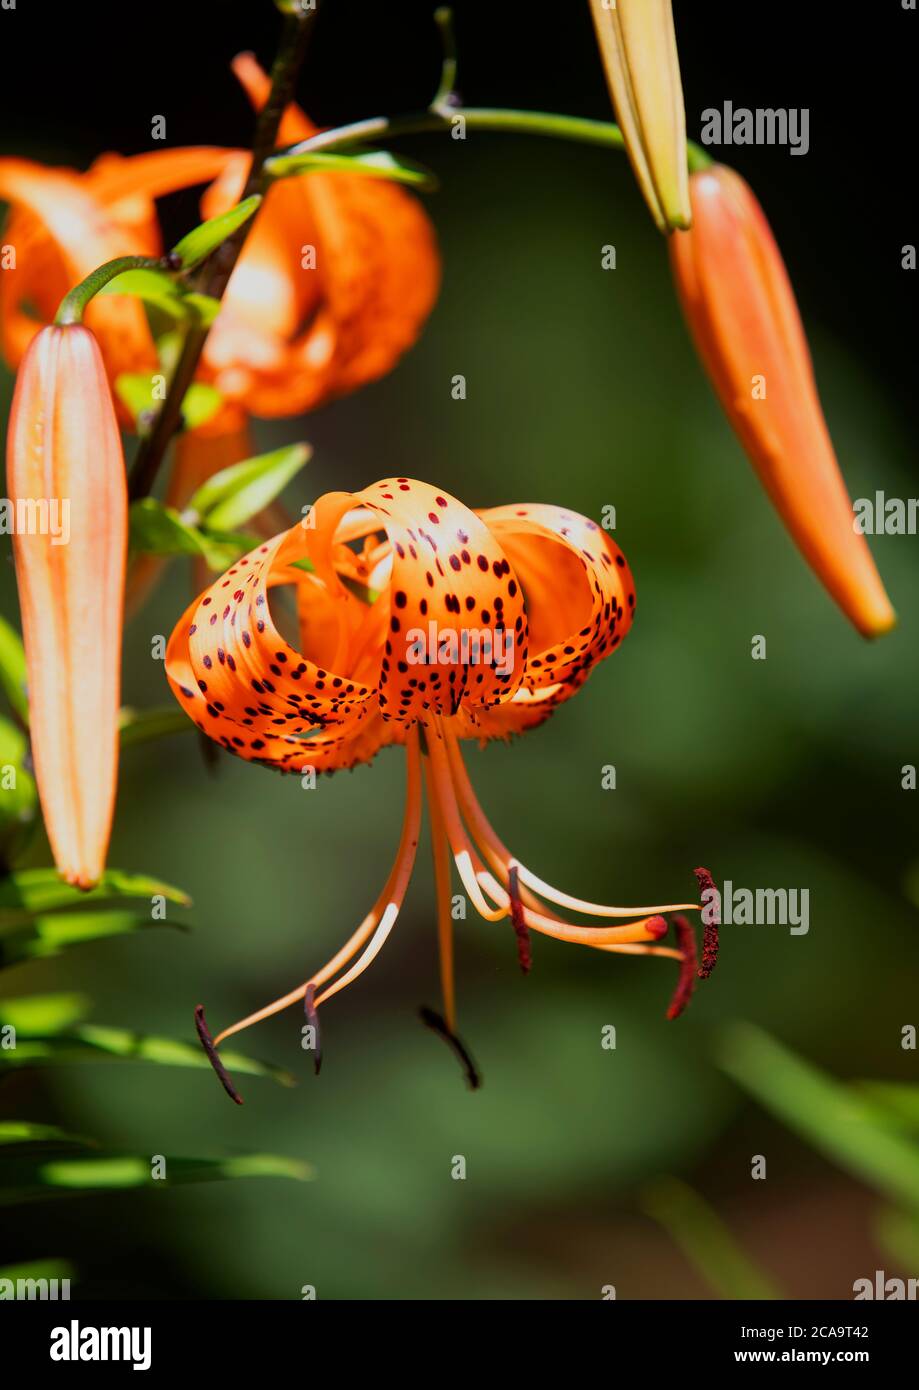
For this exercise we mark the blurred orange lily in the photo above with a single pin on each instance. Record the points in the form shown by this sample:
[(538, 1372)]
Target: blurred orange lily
[(422, 623), (65, 224), (742, 313), (288, 337), (638, 47), (64, 457), (293, 332)]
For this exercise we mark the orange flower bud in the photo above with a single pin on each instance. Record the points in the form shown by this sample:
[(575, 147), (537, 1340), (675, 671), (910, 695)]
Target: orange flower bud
[(742, 314), (66, 479)]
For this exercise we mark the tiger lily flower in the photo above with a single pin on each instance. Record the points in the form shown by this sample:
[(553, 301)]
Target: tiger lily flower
[(638, 47), (64, 456), (422, 623), (742, 314)]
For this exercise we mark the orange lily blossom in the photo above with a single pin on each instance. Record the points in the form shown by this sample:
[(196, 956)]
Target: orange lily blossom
[(414, 630), (64, 224), (742, 314), (288, 337), (64, 451)]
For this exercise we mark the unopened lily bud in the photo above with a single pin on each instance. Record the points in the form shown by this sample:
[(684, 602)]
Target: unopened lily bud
[(66, 474), (638, 48), (744, 319)]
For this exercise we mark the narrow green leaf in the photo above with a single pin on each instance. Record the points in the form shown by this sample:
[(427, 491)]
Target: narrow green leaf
[(897, 1102), (135, 390), (13, 669), (22, 1132), (154, 287), (143, 725), (18, 793), (706, 1241), (205, 306), (37, 1178), (228, 499), (160, 530), (830, 1116), (897, 1234), (32, 891), (88, 1042), (36, 1015), (198, 244), (374, 164), (46, 936), (39, 1269)]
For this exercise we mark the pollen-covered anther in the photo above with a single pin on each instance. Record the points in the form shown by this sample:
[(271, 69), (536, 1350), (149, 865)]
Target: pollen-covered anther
[(207, 1042), (711, 918), (311, 1013), (686, 984), (524, 946)]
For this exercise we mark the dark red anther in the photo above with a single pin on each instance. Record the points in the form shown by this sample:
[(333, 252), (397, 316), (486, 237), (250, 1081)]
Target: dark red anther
[(438, 1024), (686, 984), (711, 919), (312, 1018), (524, 947), (207, 1042)]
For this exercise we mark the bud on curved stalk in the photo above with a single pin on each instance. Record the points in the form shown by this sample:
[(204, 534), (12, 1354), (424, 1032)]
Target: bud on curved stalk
[(744, 319), (638, 48), (64, 461)]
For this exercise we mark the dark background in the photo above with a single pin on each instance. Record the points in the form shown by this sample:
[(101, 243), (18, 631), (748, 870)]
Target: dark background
[(583, 390)]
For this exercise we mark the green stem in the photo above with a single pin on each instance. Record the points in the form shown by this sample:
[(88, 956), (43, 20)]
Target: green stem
[(73, 305), (440, 117)]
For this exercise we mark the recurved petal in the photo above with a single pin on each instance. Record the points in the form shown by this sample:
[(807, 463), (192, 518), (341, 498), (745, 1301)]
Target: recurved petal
[(249, 689), (580, 595)]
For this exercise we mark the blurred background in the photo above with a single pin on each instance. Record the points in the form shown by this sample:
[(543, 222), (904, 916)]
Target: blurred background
[(583, 389)]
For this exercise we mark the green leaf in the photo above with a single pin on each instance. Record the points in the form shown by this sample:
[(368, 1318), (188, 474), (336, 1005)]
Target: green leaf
[(39, 1269), (37, 1015), (22, 1132), (18, 793), (143, 725), (158, 290), (154, 287), (374, 164), (706, 1241), (46, 936), (232, 496), (897, 1102), (830, 1116), (90, 1042), (135, 391), (32, 891), (198, 244), (37, 1178), (13, 669), (161, 530), (897, 1233)]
